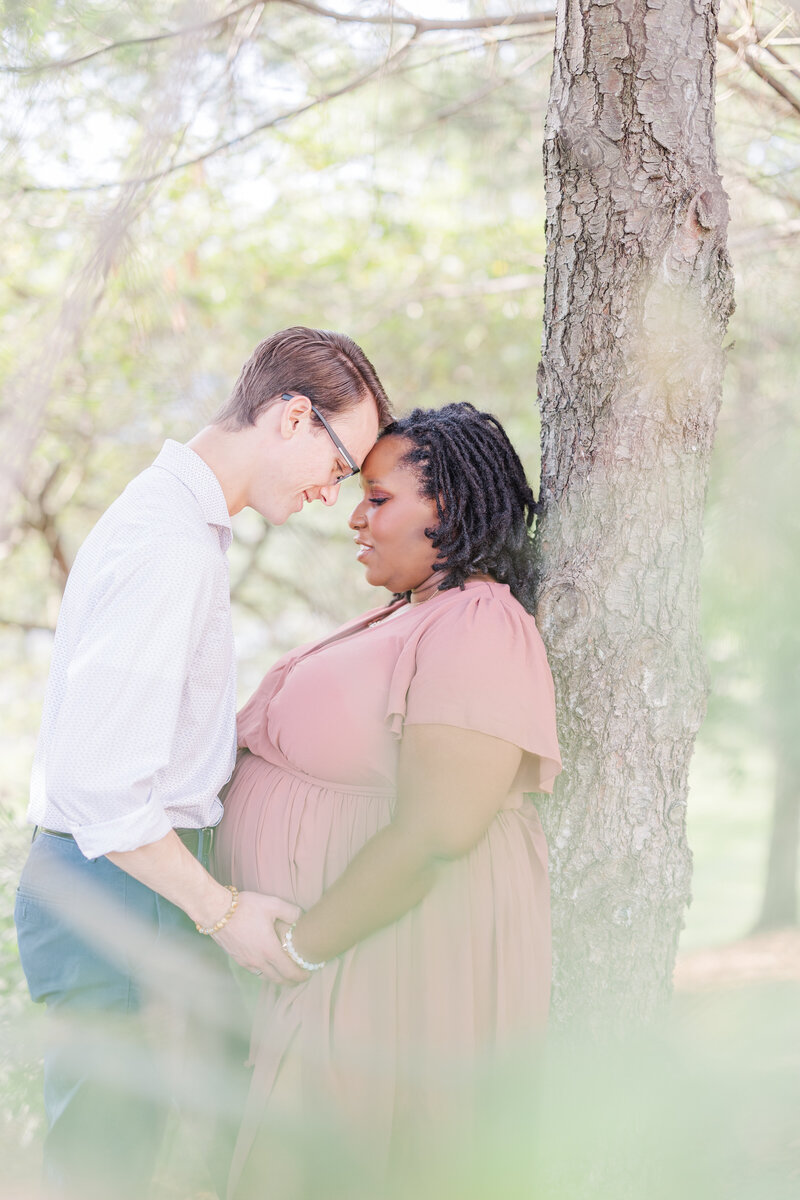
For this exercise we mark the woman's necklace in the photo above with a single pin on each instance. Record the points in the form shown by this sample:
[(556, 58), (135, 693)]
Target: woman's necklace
[(396, 613)]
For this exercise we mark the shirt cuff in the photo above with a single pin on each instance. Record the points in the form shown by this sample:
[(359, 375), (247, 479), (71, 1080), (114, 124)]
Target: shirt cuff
[(138, 828)]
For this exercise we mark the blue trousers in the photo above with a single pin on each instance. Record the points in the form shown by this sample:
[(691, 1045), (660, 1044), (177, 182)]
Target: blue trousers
[(108, 1085)]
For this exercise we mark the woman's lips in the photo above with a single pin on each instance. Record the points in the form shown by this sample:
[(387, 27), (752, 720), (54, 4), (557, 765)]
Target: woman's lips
[(364, 549)]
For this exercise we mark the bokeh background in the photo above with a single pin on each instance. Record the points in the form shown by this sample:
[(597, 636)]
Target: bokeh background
[(290, 166)]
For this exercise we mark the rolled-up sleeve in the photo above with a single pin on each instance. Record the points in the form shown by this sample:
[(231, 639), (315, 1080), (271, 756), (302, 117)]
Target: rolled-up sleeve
[(117, 722)]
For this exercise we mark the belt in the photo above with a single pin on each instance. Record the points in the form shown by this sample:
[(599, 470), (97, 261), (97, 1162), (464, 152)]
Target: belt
[(37, 829), (199, 841)]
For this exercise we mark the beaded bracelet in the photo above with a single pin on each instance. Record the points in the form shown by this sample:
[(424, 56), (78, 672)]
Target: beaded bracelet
[(288, 945), (227, 916)]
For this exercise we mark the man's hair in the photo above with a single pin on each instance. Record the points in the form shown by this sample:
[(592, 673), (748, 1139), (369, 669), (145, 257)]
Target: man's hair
[(327, 367), (466, 464)]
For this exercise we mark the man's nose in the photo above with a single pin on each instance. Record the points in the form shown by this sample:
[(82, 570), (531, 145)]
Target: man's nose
[(329, 494)]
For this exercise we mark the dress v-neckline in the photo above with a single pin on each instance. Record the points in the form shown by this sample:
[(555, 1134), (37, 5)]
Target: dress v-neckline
[(368, 620), (365, 621)]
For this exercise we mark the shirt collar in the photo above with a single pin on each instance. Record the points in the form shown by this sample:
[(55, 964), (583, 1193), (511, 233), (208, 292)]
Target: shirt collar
[(197, 476)]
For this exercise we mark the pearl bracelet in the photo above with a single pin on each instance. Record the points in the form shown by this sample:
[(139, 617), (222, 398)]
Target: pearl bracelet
[(288, 945), (227, 916)]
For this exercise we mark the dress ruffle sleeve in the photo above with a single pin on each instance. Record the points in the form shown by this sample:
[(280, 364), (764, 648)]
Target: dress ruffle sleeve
[(479, 663)]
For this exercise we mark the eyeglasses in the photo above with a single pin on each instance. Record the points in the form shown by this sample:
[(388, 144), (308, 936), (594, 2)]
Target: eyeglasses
[(345, 453)]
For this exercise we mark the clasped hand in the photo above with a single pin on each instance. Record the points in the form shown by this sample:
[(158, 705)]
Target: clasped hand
[(253, 941)]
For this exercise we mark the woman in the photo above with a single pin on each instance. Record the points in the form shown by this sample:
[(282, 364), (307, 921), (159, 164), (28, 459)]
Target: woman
[(382, 791)]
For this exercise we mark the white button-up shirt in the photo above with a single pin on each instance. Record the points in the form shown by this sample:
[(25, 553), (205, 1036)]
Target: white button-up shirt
[(139, 725)]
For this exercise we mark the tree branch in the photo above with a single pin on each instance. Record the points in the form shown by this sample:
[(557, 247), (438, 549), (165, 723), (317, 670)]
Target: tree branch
[(351, 86), (445, 114), (62, 64), (419, 25), (763, 236), (747, 52), (734, 40), (422, 24), (783, 61)]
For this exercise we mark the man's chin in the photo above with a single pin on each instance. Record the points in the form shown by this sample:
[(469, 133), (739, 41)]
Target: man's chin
[(296, 506), (275, 518)]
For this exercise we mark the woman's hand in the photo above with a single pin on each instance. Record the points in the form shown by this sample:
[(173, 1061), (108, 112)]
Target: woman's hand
[(290, 969), (451, 784)]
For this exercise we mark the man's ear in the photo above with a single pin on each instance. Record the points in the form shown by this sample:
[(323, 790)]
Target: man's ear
[(295, 415)]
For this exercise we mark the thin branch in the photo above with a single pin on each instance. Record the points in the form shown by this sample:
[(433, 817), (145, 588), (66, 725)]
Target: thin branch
[(495, 85), (30, 386), (284, 584), (62, 64), (351, 86), (423, 24), (419, 25), (756, 96), (787, 66), (485, 287), (767, 235), (767, 38), (764, 41), (253, 551), (465, 47), (747, 53)]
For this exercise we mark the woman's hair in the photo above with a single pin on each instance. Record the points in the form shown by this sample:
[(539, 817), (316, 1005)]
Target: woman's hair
[(329, 368), (466, 464)]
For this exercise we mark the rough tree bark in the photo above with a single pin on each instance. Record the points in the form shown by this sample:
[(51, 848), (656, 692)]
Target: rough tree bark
[(638, 293)]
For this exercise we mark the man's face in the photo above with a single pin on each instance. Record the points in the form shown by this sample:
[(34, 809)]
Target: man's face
[(308, 462)]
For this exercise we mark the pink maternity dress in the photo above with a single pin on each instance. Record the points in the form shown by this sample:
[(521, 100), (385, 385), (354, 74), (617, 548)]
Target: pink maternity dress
[(468, 969)]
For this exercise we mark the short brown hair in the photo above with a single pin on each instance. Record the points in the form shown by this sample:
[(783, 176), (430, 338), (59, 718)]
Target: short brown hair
[(327, 367)]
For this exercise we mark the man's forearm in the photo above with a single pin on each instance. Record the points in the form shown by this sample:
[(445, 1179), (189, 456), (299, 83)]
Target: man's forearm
[(389, 876), (170, 869)]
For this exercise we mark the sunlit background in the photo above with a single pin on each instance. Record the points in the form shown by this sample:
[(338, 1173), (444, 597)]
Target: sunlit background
[(296, 169)]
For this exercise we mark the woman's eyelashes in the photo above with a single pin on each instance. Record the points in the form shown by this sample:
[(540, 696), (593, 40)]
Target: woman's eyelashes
[(377, 499)]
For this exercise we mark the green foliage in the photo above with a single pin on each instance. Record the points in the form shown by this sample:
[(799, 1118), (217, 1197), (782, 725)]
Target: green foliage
[(409, 213), (752, 542)]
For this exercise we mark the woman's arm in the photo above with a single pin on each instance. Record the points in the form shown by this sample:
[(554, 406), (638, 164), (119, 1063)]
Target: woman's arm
[(451, 784)]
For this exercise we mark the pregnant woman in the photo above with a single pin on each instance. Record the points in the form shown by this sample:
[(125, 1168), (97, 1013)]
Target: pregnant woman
[(381, 787)]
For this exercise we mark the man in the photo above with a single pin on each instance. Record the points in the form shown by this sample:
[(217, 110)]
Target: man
[(138, 730)]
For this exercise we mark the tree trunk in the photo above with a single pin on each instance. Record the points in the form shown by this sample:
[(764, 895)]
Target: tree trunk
[(638, 293), (779, 904)]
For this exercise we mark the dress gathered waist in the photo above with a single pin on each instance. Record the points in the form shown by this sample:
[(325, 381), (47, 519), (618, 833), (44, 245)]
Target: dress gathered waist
[(273, 756)]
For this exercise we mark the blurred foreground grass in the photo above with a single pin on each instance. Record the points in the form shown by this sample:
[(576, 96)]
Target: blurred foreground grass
[(705, 1109), (709, 1107)]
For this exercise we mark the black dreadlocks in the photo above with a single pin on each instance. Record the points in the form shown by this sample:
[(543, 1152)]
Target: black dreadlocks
[(465, 462)]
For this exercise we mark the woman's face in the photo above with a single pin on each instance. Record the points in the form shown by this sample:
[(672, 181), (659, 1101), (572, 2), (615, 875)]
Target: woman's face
[(391, 520)]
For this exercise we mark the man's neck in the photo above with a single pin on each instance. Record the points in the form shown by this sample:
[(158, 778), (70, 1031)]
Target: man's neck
[(225, 452)]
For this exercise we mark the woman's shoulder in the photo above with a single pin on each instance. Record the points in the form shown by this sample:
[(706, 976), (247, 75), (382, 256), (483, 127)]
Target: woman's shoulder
[(484, 602), (480, 664), (480, 620)]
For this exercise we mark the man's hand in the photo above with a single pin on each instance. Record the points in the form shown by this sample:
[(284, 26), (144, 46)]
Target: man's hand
[(249, 936), (251, 939)]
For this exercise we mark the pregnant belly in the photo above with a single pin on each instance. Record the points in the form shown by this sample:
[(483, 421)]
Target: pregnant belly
[(285, 834)]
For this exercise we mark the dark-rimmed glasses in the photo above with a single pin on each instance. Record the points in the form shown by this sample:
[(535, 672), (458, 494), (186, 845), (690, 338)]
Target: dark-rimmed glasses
[(345, 453)]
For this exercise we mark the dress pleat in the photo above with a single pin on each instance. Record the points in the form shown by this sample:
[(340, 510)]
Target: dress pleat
[(382, 1038)]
